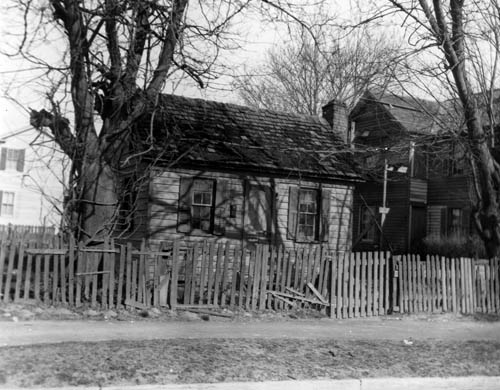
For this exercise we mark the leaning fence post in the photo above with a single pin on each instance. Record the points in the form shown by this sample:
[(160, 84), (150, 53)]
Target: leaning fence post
[(175, 275), (333, 278)]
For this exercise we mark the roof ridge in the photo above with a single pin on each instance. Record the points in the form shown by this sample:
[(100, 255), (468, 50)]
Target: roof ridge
[(248, 108)]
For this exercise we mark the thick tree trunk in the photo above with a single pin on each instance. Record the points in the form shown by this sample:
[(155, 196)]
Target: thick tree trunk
[(99, 200)]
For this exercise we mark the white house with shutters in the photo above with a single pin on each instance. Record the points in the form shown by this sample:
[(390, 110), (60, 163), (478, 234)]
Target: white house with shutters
[(31, 177)]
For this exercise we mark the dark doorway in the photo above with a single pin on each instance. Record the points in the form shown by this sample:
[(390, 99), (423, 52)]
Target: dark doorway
[(418, 227)]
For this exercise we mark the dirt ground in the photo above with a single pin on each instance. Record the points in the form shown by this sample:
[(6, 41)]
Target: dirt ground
[(31, 324), (58, 347), (121, 362)]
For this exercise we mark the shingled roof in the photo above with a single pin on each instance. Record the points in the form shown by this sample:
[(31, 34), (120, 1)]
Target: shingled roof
[(217, 135), (416, 116)]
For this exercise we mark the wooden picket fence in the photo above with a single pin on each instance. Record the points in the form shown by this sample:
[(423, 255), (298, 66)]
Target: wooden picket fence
[(439, 284), (260, 277), (257, 278), (26, 232), (360, 285)]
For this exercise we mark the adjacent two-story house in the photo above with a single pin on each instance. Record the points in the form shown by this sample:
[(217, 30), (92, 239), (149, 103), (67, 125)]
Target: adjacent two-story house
[(31, 177), (418, 180)]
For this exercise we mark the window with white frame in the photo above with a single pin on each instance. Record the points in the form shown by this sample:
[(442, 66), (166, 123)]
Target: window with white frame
[(202, 205), (6, 204), (12, 159), (308, 214), (307, 226)]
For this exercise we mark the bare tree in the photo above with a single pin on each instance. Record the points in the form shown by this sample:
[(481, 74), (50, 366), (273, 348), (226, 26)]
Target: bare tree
[(453, 55), (316, 66), (105, 72)]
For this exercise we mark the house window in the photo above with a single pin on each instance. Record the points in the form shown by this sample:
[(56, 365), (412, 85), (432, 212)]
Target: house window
[(456, 161), (202, 205), (6, 204), (455, 221), (308, 214), (196, 205), (367, 224), (12, 159), (258, 211), (308, 217)]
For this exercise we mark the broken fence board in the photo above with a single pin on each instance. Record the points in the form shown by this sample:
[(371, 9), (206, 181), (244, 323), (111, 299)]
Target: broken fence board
[(303, 299), (209, 313), (295, 291), (283, 299), (317, 293), (137, 305)]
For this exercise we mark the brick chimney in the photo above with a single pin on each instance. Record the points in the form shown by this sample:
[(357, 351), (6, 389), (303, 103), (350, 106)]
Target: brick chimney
[(335, 113)]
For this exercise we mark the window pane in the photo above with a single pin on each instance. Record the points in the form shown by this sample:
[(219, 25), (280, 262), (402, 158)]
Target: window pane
[(202, 192), (207, 198), (203, 185), (197, 198), (310, 220)]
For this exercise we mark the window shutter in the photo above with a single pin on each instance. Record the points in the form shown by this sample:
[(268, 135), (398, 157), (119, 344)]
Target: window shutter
[(184, 208), (270, 210), (465, 222), (324, 217), (293, 205), (3, 158), (20, 160), (444, 221), (221, 207)]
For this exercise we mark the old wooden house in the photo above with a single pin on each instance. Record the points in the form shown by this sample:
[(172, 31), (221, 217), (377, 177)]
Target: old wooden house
[(219, 171), (419, 183)]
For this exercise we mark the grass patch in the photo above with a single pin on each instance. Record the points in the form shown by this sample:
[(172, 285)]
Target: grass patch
[(221, 360)]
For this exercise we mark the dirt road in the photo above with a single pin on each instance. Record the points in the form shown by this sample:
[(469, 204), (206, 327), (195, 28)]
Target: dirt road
[(36, 332)]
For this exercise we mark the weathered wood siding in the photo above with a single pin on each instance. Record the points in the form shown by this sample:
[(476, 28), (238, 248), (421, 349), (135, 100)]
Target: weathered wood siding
[(434, 220), (374, 126), (452, 191), (395, 234), (164, 203)]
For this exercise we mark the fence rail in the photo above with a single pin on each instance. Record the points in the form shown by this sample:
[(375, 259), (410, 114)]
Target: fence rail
[(251, 278)]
